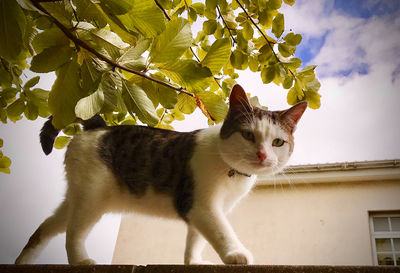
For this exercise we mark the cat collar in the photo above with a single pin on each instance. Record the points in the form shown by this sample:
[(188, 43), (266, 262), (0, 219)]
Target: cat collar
[(232, 172)]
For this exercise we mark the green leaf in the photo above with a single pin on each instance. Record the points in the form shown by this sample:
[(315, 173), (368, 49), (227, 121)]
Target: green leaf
[(218, 55), (111, 85), (137, 102), (148, 87), (286, 50), (61, 103), (115, 24), (268, 74), (111, 42), (209, 26), (15, 109), (144, 17), (253, 64), (278, 25), (72, 129), (313, 98), (293, 63), (308, 69), (61, 11), (49, 38), (134, 52), (132, 57), (167, 96), (248, 31), (5, 170), (266, 17), (313, 85), (32, 82), (89, 106), (1, 142), (293, 39), (274, 4), (61, 142), (9, 94), (12, 25), (3, 115), (31, 111), (292, 96), (38, 97), (199, 8), (5, 163), (186, 104), (265, 54), (288, 82), (289, 2), (239, 60), (172, 43), (51, 58), (215, 105), (188, 74)]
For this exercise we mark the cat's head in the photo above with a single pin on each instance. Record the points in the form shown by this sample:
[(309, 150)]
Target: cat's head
[(257, 141)]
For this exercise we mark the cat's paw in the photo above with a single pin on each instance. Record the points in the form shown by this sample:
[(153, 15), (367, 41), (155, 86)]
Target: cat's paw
[(87, 262), (242, 256)]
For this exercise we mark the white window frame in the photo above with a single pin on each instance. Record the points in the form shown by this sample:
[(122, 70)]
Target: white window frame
[(383, 234)]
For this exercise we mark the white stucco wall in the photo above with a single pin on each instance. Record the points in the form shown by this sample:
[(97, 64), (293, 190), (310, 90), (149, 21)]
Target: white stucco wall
[(313, 224)]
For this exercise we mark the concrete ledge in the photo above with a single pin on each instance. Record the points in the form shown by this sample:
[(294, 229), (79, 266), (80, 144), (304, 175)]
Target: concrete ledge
[(196, 269)]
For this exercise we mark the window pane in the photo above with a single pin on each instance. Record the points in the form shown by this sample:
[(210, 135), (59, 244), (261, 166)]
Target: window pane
[(381, 223), (398, 259), (395, 223), (396, 242), (385, 259), (383, 245)]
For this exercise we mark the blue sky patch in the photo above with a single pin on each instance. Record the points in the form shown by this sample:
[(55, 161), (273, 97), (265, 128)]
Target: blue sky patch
[(310, 47), (367, 9)]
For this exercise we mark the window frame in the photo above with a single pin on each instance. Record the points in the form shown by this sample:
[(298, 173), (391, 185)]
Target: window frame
[(383, 235)]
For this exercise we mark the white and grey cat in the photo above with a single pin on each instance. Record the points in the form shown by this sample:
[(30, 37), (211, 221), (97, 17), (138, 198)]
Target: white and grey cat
[(197, 176)]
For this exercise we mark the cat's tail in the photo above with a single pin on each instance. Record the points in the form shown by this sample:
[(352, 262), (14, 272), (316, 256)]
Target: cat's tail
[(49, 133)]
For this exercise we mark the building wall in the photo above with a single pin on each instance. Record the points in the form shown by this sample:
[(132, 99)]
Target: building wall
[(311, 224)]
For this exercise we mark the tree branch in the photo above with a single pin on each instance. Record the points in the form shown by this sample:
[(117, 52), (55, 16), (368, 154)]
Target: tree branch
[(226, 25), (265, 37), (163, 10), (82, 44)]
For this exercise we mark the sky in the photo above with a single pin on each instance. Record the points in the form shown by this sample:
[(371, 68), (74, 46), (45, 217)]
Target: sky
[(355, 45)]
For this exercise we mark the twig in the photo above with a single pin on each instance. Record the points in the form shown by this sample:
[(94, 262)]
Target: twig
[(226, 25), (163, 10), (102, 57)]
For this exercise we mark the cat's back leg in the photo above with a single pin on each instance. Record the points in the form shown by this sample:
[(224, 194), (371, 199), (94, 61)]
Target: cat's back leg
[(52, 226)]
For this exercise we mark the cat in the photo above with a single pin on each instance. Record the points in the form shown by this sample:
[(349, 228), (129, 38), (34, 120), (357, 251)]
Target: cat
[(196, 176)]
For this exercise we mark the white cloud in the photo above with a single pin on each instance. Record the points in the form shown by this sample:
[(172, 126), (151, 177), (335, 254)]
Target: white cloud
[(351, 43)]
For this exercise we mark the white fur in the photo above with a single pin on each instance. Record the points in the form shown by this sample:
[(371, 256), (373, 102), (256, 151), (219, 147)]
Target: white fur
[(93, 191)]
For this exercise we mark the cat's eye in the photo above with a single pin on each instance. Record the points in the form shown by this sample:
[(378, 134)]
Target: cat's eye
[(278, 142), (248, 136)]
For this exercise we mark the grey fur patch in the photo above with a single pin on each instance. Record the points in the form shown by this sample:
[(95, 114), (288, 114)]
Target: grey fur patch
[(143, 157), (235, 120)]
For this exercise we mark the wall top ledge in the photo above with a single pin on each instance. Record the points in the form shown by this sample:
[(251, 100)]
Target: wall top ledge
[(196, 269)]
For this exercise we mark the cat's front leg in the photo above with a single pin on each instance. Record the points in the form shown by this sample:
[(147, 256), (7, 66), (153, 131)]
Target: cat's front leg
[(215, 227), (195, 244)]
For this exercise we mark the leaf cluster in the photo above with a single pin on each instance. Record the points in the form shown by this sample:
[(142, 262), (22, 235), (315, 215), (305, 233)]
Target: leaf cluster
[(138, 61)]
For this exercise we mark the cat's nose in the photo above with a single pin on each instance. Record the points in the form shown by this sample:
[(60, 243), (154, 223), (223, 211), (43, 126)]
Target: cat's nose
[(261, 155)]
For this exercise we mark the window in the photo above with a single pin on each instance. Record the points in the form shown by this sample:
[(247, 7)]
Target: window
[(385, 235)]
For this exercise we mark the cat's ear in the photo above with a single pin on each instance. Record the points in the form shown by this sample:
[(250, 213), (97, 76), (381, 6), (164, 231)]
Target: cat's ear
[(291, 116), (238, 99)]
